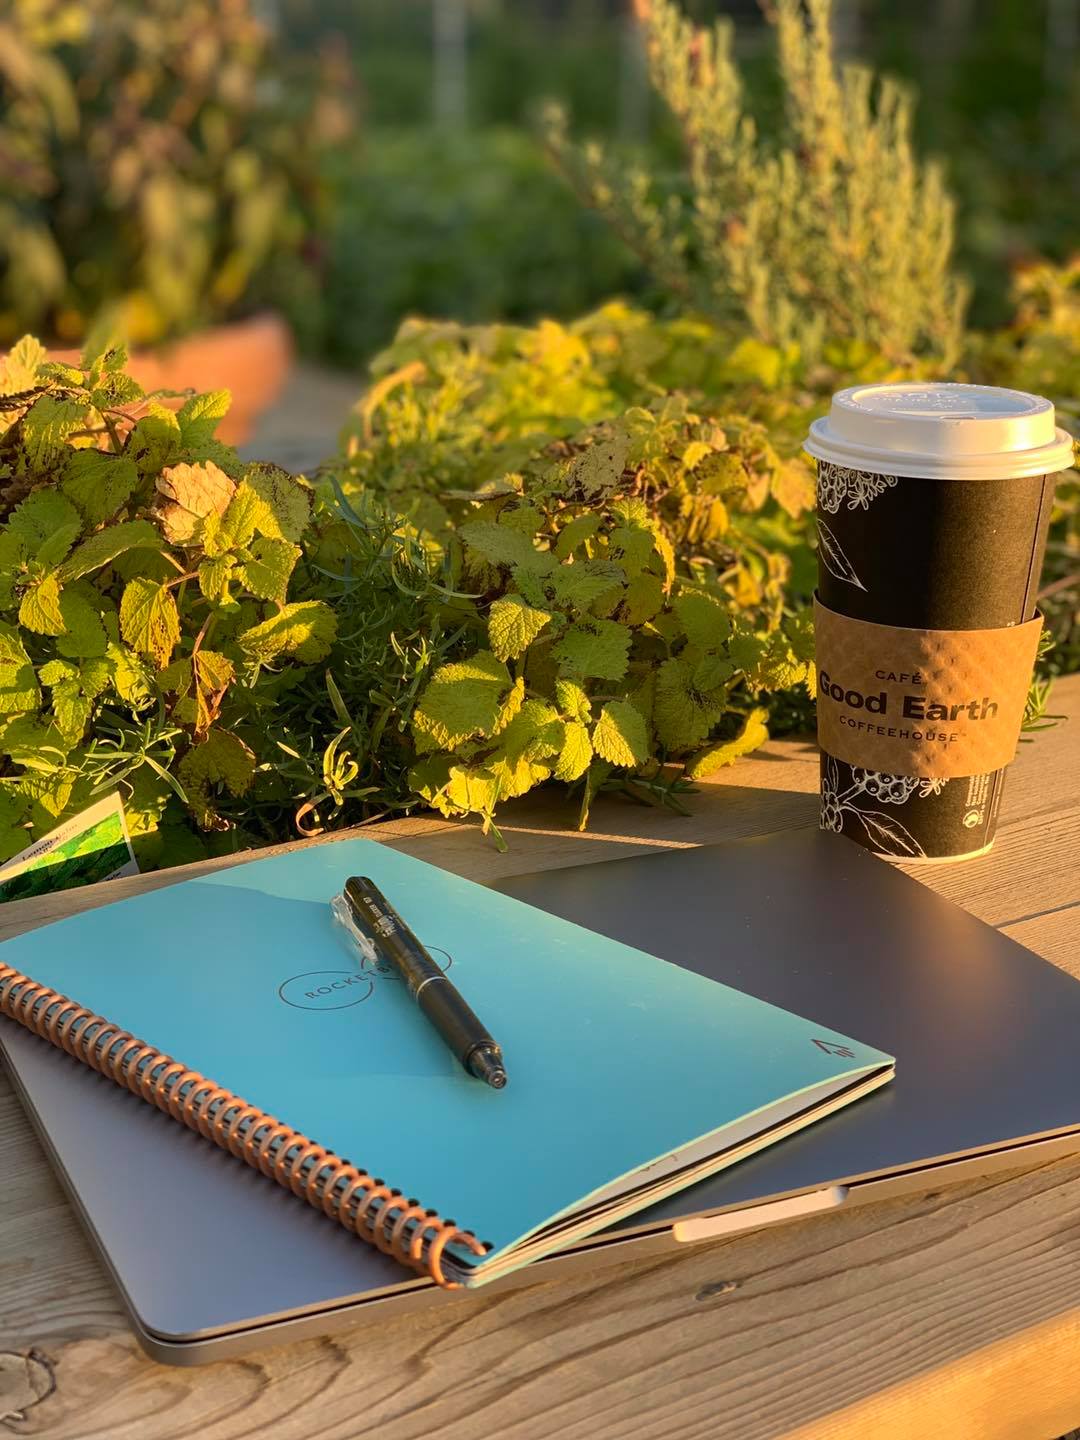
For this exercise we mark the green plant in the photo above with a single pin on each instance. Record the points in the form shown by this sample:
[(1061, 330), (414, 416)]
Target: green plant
[(1040, 352), (158, 158), (605, 647), (474, 227), (154, 605), (834, 236)]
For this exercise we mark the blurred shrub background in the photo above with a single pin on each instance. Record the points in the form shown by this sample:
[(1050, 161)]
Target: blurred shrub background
[(447, 150), (184, 162)]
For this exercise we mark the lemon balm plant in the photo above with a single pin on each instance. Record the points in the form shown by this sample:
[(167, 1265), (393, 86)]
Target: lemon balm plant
[(148, 610)]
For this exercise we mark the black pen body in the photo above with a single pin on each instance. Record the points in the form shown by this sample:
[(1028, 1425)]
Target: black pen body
[(445, 1008)]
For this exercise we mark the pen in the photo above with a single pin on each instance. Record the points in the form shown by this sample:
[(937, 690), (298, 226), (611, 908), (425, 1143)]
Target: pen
[(380, 924)]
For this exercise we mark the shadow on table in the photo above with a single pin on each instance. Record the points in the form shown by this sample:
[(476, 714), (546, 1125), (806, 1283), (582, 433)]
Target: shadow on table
[(541, 832)]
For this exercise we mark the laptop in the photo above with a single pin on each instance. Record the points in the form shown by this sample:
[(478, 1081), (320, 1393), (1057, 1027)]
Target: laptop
[(983, 1030)]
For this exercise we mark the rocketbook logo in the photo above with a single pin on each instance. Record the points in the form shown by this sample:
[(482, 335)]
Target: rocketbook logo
[(341, 989)]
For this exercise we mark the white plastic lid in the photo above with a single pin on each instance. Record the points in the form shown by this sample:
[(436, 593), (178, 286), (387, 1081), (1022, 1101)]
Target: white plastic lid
[(942, 432)]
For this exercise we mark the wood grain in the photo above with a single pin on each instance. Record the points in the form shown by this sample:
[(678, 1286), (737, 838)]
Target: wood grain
[(923, 1316)]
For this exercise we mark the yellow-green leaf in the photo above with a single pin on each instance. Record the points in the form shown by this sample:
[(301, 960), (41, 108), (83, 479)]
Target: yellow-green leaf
[(575, 532), (214, 577), (619, 735), (98, 483), (221, 759), (576, 753), (305, 629), (149, 621), (513, 625), (104, 546), (285, 504), (751, 734), (461, 700), (39, 609), (597, 648), (268, 571), (84, 633), (572, 700)]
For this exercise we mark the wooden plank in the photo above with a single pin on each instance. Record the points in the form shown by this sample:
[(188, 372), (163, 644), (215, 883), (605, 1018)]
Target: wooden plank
[(998, 1395), (749, 1338)]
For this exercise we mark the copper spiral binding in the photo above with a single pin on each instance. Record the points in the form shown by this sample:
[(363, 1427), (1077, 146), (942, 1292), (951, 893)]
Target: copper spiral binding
[(379, 1214)]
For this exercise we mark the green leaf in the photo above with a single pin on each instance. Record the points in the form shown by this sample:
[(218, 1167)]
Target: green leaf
[(149, 621), (45, 429), (469, 790), (461, 700), (305, 629), (619, 735), (644, 598), (503, 545), (575, 532), (429, 776), (595, 777), (71, 710), (705, 621), (284, 504), (19, 690), (572, 700), (49, 794), (214, 578), (597, 472), (55, 672), (40, 516), (94, 676), (146, 795), (57, 545), (576, 753), (155, 441), (598, 648), (535, 732), (175, 679), (583, 583), (39, 609), (221, 759), (132, 678), (200, 416), (28, 742), (84, 634), (632, 547), (666, 551), (22, 364), (107, 544), (267, 573), (513, 625), (683, 715), (751, 734), (511, 705)]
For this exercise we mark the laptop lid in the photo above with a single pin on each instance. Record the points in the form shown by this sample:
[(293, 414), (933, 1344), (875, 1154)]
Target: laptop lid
[(204, 1250)]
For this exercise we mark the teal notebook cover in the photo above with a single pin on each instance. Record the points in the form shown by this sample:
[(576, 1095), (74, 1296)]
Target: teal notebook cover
[(616, 1059)]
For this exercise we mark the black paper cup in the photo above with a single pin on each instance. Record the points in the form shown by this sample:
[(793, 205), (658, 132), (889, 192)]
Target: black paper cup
[(933, 503)]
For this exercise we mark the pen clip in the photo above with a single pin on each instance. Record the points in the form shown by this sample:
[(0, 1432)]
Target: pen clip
[(342, 912)]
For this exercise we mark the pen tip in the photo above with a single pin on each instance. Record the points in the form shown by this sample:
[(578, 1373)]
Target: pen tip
[(485, 1066)]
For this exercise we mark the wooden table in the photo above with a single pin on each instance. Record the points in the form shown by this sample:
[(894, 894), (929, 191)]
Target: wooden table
[(954, 1313)]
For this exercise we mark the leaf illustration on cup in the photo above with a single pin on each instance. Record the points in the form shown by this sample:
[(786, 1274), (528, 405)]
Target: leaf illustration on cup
[(835, 561), (887, 834)]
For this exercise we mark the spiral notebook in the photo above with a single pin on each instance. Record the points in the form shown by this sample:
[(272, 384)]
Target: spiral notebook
[(630, 1077)]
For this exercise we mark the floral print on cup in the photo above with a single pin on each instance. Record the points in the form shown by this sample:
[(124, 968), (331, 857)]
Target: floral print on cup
[(835, 485)]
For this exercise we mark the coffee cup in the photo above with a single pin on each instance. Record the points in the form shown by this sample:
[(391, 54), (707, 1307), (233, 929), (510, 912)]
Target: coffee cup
[(933, 504)]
